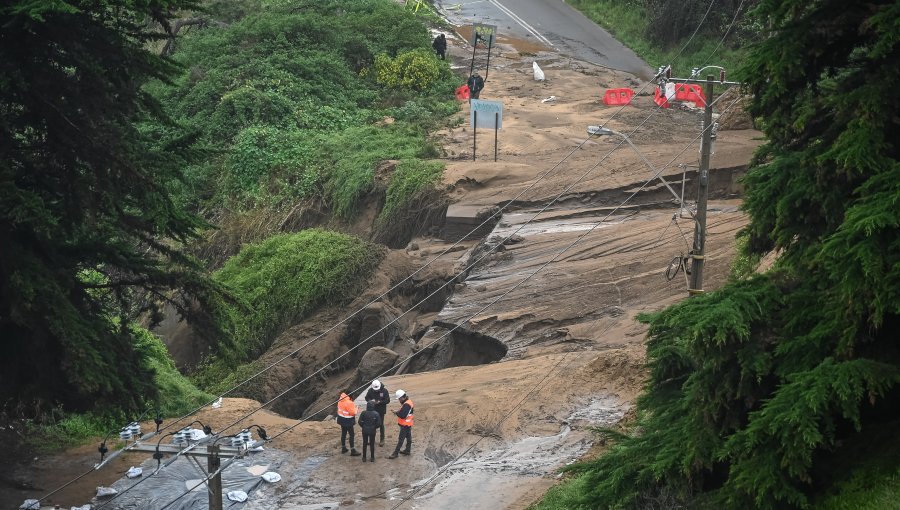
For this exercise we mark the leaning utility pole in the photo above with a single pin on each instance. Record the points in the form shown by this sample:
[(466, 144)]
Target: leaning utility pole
[(698, 252)]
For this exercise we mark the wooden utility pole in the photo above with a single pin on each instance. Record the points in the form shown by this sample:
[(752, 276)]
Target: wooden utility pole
[(213, 453), (698, 251), (215, 483), (698, 257)]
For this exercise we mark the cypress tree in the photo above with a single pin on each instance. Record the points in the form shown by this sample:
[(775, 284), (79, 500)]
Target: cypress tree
[(85, 218)]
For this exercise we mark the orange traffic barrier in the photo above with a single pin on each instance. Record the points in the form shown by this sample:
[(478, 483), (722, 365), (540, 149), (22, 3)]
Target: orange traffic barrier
[(617, 96), (462, 92), (690, 92), (660, 98)]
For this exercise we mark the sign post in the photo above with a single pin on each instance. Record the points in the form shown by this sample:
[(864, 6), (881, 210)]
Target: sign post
[(485, 33), (492, 117)]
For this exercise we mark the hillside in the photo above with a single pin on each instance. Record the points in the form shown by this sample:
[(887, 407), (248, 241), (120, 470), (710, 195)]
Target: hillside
[(568, 333)]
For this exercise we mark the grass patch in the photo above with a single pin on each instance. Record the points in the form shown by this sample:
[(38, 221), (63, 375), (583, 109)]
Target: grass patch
[(410, 179), (281, 280), (354, 153)]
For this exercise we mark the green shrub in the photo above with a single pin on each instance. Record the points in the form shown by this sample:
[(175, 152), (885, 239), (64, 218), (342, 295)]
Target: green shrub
[(262, 93), (268, 164), (354, 153), (283, 279), (418, 69)]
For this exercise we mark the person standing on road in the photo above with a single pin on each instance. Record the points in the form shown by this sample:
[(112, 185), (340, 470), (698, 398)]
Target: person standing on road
[(475, 83), (440, 45), (346, 418), (379, 394), (369, 421), (405, 420)]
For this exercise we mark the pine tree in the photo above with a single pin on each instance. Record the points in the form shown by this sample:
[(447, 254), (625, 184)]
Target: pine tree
[(757, 388), (85, 218)]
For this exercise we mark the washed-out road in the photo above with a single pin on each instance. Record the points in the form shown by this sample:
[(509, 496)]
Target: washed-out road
[(551, 23)]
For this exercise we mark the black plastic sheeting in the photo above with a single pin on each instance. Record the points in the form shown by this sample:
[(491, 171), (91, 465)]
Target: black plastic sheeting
[(174, 480)]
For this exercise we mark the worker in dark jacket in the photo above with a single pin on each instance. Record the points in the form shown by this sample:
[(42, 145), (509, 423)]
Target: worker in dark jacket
[(475, 83), (440, 45), (405, 420), (379, 394), (369, 421)]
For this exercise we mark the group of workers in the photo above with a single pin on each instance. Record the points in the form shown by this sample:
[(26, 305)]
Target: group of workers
[(372, 419)]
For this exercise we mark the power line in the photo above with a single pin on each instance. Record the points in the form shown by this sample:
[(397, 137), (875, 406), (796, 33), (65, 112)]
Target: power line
[(384, 294), (659, 172), (470, 448), (407, 311), (450, 331), (498, 211), (447, 250)]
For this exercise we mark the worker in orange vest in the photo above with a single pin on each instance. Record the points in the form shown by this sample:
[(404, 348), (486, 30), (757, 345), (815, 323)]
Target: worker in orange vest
[(346, 418), (405, 420)]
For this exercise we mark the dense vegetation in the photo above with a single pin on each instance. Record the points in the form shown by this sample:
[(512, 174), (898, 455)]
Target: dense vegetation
[(86, 223), (280, 281), (285, 100), (117, 163), (658, 29), (781, 390)]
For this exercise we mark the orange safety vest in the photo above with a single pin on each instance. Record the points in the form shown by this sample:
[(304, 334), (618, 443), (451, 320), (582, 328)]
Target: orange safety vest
[(346, 407), (408, 421)]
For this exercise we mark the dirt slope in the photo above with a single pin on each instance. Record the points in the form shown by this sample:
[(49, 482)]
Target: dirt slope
[(566, 319)]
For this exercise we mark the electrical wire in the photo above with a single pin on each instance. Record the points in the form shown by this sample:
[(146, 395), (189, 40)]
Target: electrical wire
[(470, 448), (488, 252), (457, 326), (471, 265), (447, 250), (724, 36)]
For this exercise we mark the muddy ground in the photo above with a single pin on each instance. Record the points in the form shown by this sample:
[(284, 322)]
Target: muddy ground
[(523, 336)]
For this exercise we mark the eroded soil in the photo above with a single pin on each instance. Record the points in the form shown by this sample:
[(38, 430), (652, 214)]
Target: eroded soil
[(535, 319)]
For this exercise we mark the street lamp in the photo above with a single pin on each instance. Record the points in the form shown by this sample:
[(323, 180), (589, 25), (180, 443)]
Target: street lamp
[(602, 131)]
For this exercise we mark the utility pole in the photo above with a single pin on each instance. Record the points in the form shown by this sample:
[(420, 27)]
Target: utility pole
[(698, 251), (213, 463)]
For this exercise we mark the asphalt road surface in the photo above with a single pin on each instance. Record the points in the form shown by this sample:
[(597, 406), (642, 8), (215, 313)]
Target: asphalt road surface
[(552, 23)]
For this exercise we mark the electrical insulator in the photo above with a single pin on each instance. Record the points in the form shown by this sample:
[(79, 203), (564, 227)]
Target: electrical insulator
[(125, 433), (695, 72), (722, 76), (246, 436), (135, 429), (236, 441), (182, 436), (668, 72)]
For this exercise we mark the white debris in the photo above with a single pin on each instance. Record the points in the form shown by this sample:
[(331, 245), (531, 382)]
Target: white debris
[(271, 477), (217, 404), (239, 496), (551, 98), (197, 434), (103, 492), (134, 472), (538, 74), (30, 504)]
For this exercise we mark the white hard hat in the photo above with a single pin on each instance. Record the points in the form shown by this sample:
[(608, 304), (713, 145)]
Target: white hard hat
[(376, 384), (400, 393)]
